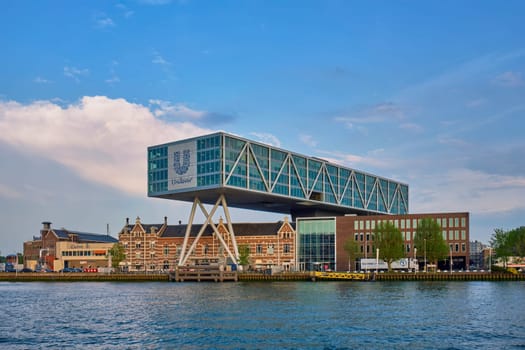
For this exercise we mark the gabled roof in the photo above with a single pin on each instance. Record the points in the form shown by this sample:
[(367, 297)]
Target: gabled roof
[(146, 227)]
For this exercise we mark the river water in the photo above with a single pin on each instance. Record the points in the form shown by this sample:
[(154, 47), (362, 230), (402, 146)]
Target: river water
[(269, 315)]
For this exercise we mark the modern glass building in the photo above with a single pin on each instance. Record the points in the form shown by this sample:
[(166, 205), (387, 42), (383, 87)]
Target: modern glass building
[(253, 175), (316, 244)]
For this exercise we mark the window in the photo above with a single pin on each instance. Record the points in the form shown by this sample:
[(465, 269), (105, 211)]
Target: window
[(137, 245), (361, 225), (408, 223), (456, 235), (451, 222), (457, 247), (402, 224), (286, 248), (356, 225), (367, 236), (270, 249), (152, 245), (408, 248), (166, 250), (259, 249), (205, 249), (368, 224), (463, 222), (463, 247), (444, 222), (456, 222), (463, 235), (414, 223), (356, 236)]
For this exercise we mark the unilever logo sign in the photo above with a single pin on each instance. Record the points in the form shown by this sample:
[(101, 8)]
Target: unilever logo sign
[(179, 168), (182, 167)]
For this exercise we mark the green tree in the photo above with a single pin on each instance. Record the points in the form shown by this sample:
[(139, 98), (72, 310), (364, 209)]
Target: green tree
[(429, 240), (352, 249), (390, 243), (244, 255), (508, 243), (118, 254)]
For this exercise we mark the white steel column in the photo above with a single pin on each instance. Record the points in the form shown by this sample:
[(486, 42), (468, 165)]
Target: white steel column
[(188, 231), (185, 253)]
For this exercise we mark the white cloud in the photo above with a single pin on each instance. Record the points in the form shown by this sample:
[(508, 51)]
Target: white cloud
[(159, 59), (267, 138), (8, 192), (509, 79), (75, 73), (381, 113), (40, 80), (467, 190), (411, 127), (103, 140), (308, 140), (163, 108), (103, 21)]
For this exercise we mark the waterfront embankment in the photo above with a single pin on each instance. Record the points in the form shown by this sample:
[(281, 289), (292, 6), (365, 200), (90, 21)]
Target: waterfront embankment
[(247, 277)]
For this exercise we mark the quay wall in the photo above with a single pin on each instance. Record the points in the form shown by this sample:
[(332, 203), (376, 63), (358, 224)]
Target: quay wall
[(247, 277)]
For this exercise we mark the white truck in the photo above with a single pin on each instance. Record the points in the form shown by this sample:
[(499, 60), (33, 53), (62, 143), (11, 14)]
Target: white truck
[(405, 264)]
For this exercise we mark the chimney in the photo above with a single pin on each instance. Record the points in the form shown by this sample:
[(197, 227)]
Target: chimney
[(180, 222), (165, 220), (47, 225), (127, 221)]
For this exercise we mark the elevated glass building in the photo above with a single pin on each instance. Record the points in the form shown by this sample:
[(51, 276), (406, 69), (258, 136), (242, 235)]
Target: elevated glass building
[(257, 176)]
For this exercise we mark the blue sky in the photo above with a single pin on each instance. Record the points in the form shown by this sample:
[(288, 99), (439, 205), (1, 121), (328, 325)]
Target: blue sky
[(429, 93)]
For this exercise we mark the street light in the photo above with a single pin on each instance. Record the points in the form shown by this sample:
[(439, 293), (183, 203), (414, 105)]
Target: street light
[(490, 259), (415, 257), (425, 259), (450, 259)]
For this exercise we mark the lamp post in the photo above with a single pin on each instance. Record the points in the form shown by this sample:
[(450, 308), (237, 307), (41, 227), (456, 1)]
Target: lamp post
[(415, 257), (450, 259), (490, 259), (377, 259), (425, 259)]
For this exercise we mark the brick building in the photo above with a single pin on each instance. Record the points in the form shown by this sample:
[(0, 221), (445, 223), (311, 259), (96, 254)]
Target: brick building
[(153, 247), (59, 248)]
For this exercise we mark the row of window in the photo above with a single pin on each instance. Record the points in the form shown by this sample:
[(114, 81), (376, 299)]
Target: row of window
[(82, 253), (205, 248), (453, 247), (453, 235), (409, 223)]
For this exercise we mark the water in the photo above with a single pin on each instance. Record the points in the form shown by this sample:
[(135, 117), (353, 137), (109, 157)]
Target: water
[(280, 315)]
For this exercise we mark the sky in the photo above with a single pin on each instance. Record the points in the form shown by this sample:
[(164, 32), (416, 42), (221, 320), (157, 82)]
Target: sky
[(429, 93)]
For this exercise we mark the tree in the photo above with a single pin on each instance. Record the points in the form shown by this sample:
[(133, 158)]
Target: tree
[(244, 255), (429, 240), (508, 243), (352, 249), (118, 254), (390, 243)]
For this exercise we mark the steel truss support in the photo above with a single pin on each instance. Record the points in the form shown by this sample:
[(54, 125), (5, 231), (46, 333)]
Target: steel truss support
[(221, 201)]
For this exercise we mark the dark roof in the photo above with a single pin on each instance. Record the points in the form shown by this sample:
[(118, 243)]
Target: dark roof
[(240, 229), (85, 236)]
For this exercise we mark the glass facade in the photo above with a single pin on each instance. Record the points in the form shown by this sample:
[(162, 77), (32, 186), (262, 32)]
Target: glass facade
[(223, 160), (316, 244)]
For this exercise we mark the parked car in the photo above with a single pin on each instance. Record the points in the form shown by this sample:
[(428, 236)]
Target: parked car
[(26, 269)]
